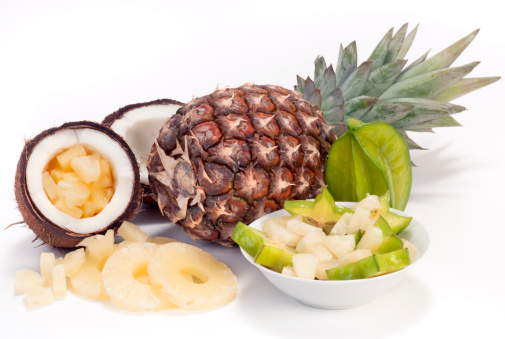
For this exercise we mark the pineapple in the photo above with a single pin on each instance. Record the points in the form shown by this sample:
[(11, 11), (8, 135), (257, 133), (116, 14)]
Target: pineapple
[(191, 278), (88, 281), (73, 262), (131, 232), (37, 296), (236, 155), (26, 278), (126, 281), (413, 98), (59, 281), (47, 263)]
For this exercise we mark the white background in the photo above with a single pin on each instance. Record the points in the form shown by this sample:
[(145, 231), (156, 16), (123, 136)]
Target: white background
[(81, 60)]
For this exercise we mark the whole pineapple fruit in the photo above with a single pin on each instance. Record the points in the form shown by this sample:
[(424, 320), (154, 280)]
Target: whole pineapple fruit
[(235, 155)]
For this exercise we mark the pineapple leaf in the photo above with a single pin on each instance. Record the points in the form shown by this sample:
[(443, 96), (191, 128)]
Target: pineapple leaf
[(329, 82), (444, 121), (411, 143), (388, 112), (335, 98), (382, 78), (320, 67), (396, 44), (429, 84), (359, 106), (417, 116), (379, 53), (443, 59), (355, 83), (315, 97), (347, 62), (464, 86), (310, 87), (300, 87), (428, 104), (409, 39), (416, 62)]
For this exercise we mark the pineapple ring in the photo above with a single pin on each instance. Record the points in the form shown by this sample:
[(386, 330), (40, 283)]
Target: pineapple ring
[(126, 282), (190, 277)]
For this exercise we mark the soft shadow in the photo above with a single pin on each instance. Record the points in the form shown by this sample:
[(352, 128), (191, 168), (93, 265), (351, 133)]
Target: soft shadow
[(392, 314)]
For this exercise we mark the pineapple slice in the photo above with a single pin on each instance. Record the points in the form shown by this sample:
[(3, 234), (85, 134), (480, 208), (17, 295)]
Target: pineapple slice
[(37, 296), (26, 278), (59, 281), (88, 281), (132, 232), (65, 159), (87, 167), (160, 240), (73, 262), (172, 263), (304, 265), (47, 263), (126, 281)]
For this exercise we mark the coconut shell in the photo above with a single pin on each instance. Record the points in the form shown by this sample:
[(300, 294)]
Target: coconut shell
[(147, 194), (44, 229)]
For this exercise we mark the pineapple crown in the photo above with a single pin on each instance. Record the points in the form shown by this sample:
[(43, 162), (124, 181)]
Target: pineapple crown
[(413, 98)]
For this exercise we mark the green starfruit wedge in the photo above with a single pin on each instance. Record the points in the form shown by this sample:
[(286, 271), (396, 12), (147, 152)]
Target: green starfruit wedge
[(320, 212), (249, 239), (370, 158), (392, 261), (360, 269), (397, 222)]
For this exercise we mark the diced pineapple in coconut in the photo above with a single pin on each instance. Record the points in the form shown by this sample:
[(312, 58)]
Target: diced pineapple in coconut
[(339, 245), (299, 227), (360, 220), (88, 281), (65, 159), (26, 278), (321, 268), (50, 187), (73, 262), (277, 231), (412, 249), (289, 271), (304, 265), (132, 232), (59, 281), (47, 262), (354, 256), (75, 212), (371, 239), (340, 228), (87, 167), (99, 247), (38, 296)]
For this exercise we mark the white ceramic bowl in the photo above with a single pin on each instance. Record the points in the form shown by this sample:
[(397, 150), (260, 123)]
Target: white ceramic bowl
[(341, 294)]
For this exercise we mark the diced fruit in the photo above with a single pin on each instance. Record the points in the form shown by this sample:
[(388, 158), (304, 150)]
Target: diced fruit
[(392, 261), (288, 270), (75, 212), (308, 242), (274, 256), (340, 228), (50, 187), (278, 232), (76, 192), (340, 245), (99, 247), (131, 232), (87, 167), (59, 281), (248, 238), (126, 281), (360, 220), (299, 227), (73, 262), (412, 249), (88, 282), (26, 278), (214, 285), (397, 222), (37, 296), (160, 240), (371, 239), (65, 158), (354, 256), (360, 269), (304, 265), (47, 262), (371, 203), (322, 267)]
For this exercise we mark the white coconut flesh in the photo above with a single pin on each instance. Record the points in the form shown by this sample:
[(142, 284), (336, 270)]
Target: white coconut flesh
[(95, 141), (139, 127)]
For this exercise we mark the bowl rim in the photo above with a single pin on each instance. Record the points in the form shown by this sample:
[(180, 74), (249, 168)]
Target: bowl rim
[(402, 271)]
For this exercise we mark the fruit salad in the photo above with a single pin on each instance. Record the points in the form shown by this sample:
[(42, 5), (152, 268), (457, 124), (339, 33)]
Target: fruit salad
[(323, 241)]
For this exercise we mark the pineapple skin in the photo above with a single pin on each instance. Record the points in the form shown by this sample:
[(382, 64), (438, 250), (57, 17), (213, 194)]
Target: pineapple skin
[(236, 155)]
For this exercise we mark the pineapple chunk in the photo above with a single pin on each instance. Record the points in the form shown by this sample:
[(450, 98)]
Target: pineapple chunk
[(57, 174), (75, 212), (160, 240), (59, 281), (75, 191), (308, 242), (289, 271), (277, 231), (26, 278), (50, 187), (38, 296), (99, 247), (340, 228), (304, 265), (372, 239), (87, 167), (354, 256), (340, 245), (47, 263), (132, 232), (321, 268), (73, 262), (360, 220), (65, 158), (299, 227)]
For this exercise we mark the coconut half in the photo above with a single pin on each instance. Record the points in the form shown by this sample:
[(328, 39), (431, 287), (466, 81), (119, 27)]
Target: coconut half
[(52, 225), (139, 125)]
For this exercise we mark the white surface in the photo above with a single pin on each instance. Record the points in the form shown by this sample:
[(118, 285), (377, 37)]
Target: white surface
[(63, 61), (343, 294)]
